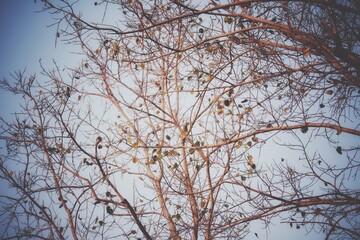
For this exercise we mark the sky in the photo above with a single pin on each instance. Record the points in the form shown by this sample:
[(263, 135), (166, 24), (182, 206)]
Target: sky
[(16, 25), (26, 38)]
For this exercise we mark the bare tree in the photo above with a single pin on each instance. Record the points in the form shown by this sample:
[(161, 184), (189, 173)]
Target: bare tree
[(189, 120)]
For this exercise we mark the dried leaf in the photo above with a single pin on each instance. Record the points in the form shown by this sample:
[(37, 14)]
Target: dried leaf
[(339, 150), (250, 171), (238, 144), (248, 110), (116, 47), (329, 92), (228, 20), (109, 210), (227, 102), (304, 129)]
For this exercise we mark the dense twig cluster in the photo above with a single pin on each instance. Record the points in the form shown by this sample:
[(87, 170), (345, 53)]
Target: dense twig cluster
[(166, 127)]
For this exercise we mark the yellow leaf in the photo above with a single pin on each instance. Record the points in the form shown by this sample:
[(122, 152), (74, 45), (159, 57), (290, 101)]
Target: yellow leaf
[(250, 171), (212, 65), (248, 110), (116, 47), (250, 160), (238, 144), (136, 145), (129, 140)]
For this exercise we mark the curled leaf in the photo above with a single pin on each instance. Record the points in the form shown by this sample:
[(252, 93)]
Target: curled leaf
[(238, 144), (250, 171), (248, 110), (228, 20), (109, 210), (304, 129), (227, 102), (116, 47), (339, 150), (250, 161), (329, 92), (135, 160)]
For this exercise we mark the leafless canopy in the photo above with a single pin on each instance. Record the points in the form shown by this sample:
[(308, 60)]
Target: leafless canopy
[(188, 119)]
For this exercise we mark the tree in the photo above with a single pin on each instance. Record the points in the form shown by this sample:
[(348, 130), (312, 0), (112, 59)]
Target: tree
[(189, 120)]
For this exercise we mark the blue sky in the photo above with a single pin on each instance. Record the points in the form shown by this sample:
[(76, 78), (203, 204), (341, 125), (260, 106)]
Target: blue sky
[(21, 31), (25, 39), (15, 28)]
